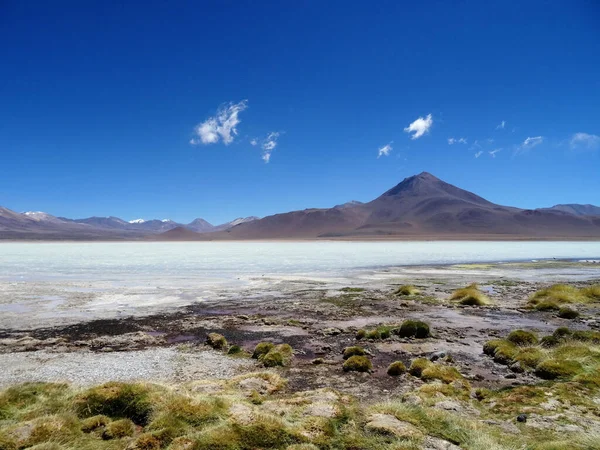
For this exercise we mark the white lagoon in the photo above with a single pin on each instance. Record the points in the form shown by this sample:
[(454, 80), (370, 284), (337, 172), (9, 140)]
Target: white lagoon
[(42, 284), (121, 262)]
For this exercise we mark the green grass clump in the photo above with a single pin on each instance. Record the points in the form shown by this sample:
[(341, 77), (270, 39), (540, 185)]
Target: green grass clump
[(262, 349), (373, 335), (566, 312), (489, 348), (279, 355), (502, 350), (552, 369), (116, 400), (446, 374), (417, 366), (470, 296), (354, 350), (522, 338), (216, 341), (93, 423), (407, 289), (360, 334), (357, 363), (118, 429), (235, 350), (396, 368), (556, 296), (414, 328), (529, 357)]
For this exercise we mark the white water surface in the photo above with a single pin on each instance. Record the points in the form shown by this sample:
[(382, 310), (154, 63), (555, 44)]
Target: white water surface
[(45, 284), (205, 261)]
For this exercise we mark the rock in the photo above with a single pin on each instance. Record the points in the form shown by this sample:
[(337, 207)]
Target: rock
[(433, 443), (510, 376), (318, 361), (241, 413), (255, 384), (522, 418), (331, 331), (321, 410), (412, 400), (388, 424), (516, 367), (438, 355), (508, 427), (450, 405)]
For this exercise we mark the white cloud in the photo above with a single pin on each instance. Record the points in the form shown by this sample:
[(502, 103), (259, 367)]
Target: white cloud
[(452, 141), (385, 150), (254, 142), (420, 126), (531, 142), (223, 126), (478, 154), (269, 145), (584, 141), (493, 152), (502, 125)]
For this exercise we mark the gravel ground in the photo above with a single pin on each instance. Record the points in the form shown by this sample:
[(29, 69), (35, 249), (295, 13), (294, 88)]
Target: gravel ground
[(88, 368)]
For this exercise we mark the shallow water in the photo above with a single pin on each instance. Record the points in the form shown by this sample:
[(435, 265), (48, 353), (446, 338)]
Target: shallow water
[(214, 261), (43, 284)]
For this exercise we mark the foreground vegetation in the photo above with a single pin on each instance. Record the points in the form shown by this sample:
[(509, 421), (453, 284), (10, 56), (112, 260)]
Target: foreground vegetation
[(255, 411)]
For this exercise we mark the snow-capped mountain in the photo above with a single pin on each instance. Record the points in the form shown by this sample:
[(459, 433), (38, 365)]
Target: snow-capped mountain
[(137, 221)]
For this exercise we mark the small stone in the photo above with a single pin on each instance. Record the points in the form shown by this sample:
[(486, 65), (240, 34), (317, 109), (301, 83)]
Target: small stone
[(510, 376), (331, 331), (388, 424), (318, 361), (522, 418), (438, 355)]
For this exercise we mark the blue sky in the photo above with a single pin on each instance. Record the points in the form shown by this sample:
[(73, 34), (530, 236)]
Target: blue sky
[(132, 110)]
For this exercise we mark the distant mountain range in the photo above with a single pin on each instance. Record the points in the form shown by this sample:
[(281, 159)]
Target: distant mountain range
[(420, 207), (40, 226)]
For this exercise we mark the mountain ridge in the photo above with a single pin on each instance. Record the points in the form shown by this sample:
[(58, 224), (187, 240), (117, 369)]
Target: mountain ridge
[(419, 206)]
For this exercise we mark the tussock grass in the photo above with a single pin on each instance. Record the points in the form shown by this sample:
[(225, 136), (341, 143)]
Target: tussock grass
[(559, 295), (49, 417), (564, 355), (354, 350), (413, 328), (396, 368), (470, 296), (357, 363), (407, 290)]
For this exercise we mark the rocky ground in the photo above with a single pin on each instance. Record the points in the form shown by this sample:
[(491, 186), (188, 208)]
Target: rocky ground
[(319, 321)]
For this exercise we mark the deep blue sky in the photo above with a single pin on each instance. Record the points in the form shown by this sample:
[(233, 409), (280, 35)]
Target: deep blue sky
[(98, 103)]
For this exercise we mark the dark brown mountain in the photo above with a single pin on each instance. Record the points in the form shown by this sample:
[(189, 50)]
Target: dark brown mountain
[(421, 206)]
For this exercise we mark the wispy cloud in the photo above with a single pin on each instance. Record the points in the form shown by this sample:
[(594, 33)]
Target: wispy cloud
[(502, 125), (584, 141), (254, 142), (452, 141), (420, 126), (222, 126), (269, 145), (478, 154), (493, 152), (530, 143), (385, 150)]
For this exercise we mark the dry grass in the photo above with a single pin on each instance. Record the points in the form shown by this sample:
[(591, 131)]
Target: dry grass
[(407, 290), (559, 295), (470, 296)]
